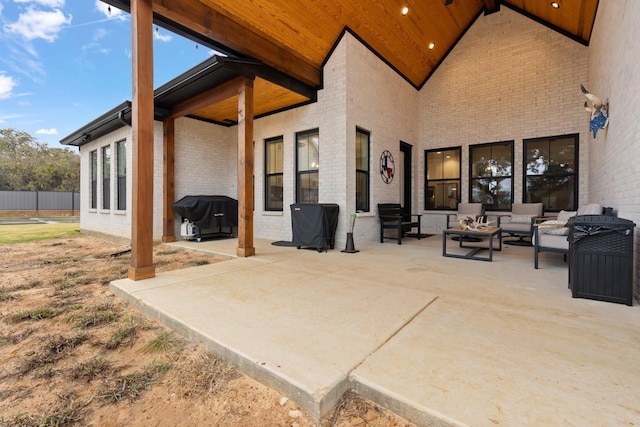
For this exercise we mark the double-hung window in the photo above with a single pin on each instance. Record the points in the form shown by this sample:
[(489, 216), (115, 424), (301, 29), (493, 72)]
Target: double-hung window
[(106, 177), (362, 170), (307, 166), (121, 168), (93, 161), (442, 189), (273, 174), (491, 175), (551, 177)]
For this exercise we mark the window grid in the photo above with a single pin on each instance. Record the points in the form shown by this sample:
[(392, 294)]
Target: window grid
[(362, 170), (93, 160), (443, 172), (121, 166), (307, 166), (551, 172), (274, 177), (106, 177), (491, 175)]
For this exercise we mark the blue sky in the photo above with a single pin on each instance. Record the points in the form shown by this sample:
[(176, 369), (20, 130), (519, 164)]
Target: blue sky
[(63, 63)]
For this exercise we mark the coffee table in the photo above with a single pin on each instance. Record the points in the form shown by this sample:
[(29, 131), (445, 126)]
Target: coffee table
[(489, 232)]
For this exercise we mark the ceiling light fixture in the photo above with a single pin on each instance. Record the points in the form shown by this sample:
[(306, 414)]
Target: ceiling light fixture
[(431, 45), (555, 5), (405, 10)]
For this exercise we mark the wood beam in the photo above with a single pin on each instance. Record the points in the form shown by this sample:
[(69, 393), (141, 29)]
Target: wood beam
[(245, 170), (491, 6), (212, 24), (208, 98), (168, 176), (142, 137)]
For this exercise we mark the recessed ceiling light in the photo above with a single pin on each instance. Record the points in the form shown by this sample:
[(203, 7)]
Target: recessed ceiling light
[(555, 5), (405, 10), (431, 45)]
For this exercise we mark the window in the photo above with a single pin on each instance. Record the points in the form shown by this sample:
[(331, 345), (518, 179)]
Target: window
[(121, 167), (442, 189), (307, 165), (93, 159), (273, 173), (106, 177), (362, 170), (551, 172), (490, 171)]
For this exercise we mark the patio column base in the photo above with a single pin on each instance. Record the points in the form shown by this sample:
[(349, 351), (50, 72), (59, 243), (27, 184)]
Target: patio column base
[(142, 273), (245, 252)]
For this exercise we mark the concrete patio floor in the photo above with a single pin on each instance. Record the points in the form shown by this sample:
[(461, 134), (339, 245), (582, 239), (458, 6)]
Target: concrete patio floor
[(439, 341)]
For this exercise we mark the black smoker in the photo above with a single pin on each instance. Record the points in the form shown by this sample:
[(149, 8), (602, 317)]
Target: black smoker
[(206, 216)]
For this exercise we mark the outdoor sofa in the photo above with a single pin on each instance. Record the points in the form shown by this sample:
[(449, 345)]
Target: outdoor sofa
[(550, 235)]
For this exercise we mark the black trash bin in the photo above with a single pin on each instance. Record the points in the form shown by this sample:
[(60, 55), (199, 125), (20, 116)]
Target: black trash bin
[(314, 225), (601, 258)]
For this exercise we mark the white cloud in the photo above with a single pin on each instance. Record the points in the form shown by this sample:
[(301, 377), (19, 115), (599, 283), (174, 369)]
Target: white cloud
[(162, 37), (3, 119), (7, 83), (52, 131), (49, 3), (35, 24), (111, 12)]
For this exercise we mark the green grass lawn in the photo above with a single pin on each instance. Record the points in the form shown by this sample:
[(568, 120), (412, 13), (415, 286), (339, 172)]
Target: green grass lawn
[(23, 233)]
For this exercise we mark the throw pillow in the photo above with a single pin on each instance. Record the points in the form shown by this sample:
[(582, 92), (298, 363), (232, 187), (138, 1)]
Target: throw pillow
[(565, 215), (520, 219), (590, 209), (552, 227)]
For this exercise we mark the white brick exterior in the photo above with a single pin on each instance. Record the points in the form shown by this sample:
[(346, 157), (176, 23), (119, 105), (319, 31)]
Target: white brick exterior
[(614, 63), (508, 78)]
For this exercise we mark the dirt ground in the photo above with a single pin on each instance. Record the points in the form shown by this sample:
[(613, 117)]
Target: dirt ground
[(71, 353)]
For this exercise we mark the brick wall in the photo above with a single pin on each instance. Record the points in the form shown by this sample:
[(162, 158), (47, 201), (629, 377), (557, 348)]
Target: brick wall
[(383, 103), (509, 78), (614, 62), (359, 91), (108, 223)]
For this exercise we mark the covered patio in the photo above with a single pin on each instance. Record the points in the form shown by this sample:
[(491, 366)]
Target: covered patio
[(440, 341)]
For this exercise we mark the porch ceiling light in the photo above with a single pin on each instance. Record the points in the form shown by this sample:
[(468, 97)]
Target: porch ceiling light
[(405, 10), (431, 45), (555, 5)]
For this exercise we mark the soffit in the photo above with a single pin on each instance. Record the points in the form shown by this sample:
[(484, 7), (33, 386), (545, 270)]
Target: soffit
[(297, 37)]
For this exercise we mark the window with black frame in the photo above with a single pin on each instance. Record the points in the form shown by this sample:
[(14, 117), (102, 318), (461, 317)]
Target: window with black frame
[(93, 160), (551, 172), (307, 166), (362, 170), (442, 186), (491, 175), (106, 177), (273, 173), (121, 169)]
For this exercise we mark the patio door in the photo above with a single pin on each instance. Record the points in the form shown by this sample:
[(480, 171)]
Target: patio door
[(405, 176)]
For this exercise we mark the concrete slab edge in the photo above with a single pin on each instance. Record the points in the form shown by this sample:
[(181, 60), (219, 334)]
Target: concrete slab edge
[(411, 411), (315, 405)]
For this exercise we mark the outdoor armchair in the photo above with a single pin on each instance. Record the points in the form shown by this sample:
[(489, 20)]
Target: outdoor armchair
[(520, 222)]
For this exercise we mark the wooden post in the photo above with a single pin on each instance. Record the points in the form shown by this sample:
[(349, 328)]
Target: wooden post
[(168, 220), (245, 170), (142, 129)]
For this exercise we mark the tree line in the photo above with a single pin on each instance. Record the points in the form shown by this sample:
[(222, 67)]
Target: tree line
[(29, 165)]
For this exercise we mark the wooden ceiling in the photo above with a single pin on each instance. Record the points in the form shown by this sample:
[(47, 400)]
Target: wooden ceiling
[(297, 36)]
